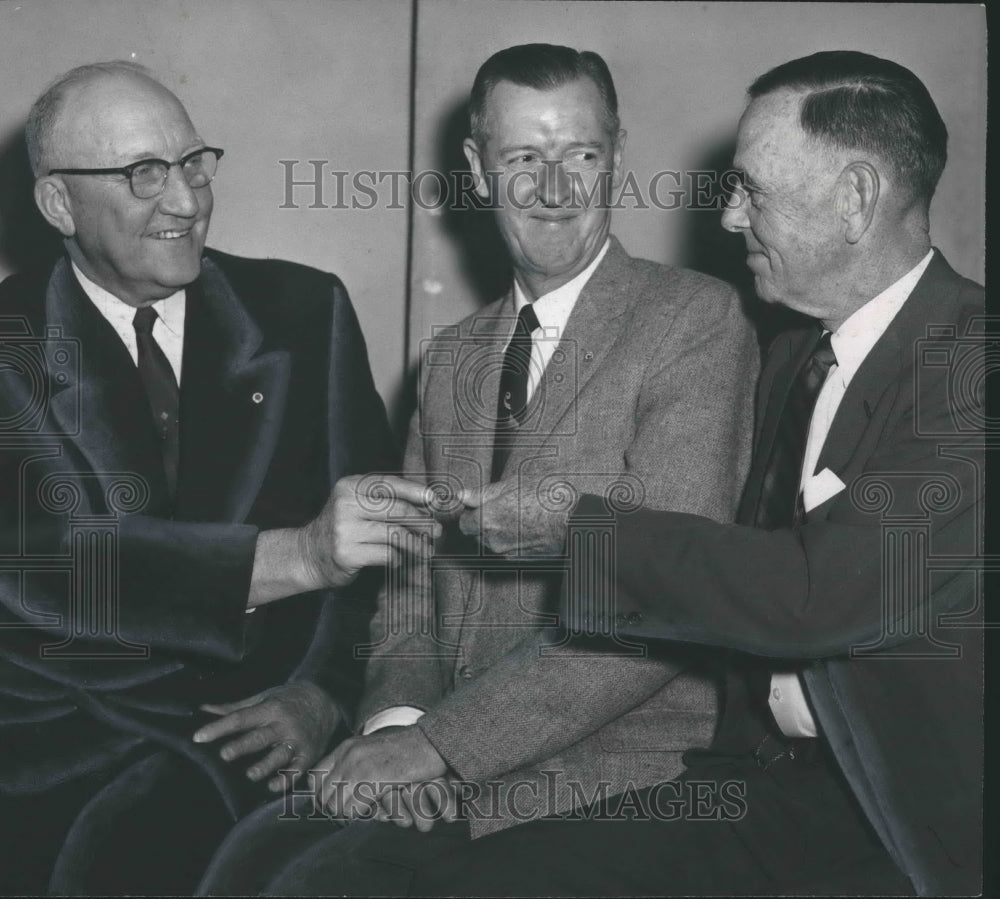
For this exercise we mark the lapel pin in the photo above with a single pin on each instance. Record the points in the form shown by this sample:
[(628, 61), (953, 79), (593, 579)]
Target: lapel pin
[(588, 356), (258, 397)]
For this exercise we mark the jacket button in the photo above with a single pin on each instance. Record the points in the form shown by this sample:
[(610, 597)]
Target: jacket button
[(465, 672)]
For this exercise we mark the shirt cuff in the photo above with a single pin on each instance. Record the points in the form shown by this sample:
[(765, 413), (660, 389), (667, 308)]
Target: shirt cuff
[(395, 716)]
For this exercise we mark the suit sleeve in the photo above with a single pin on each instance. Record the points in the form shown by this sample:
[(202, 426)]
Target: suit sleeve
[(840, 580), (404, 668), (690, 450), (185, 583)]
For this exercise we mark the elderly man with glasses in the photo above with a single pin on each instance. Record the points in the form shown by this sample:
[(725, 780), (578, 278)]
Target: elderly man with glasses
[(182, 439)]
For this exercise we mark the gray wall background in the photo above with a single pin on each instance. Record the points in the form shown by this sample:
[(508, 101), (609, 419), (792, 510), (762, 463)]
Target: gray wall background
[(374, 85)]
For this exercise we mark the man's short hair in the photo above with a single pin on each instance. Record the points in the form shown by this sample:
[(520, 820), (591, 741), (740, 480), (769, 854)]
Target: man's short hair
[(860, 102), (542, 67), (45, 110)]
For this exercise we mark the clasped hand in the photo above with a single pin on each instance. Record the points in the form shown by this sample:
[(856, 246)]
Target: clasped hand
[(394, 774), (510, 518), (353, 530)]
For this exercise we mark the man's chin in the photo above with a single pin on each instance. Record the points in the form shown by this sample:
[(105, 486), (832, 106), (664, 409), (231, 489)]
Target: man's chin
[(177, 277)]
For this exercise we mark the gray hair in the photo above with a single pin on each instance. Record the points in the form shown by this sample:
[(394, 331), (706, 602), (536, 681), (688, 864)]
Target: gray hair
[(857, 101), (46, 109)]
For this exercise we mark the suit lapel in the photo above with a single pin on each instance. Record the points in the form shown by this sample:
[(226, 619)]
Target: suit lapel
[(232, 403), (98, 401), (871, 392), (874, 386), (589, 334), (472, 397), (587, 338)]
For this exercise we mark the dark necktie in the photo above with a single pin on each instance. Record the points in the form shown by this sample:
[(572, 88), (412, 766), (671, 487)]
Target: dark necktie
[(161, 391), (779, 500), (780, 506), (512, 402)]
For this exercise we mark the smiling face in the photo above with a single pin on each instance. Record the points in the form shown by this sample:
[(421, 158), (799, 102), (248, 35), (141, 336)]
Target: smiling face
[(551, 162), (139, 250), (787, 210)]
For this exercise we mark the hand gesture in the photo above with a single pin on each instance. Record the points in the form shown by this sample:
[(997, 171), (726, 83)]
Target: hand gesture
[(353, 530), (294, 721), (515, 519)]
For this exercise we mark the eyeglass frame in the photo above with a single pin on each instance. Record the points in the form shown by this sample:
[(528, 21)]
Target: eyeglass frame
[(127, 170)]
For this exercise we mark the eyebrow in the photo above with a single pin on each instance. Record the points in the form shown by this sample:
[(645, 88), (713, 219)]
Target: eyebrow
[(747, 179), (520, 148), (194, 147)]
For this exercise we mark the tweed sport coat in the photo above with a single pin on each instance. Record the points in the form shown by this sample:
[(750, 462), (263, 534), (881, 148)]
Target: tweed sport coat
[(650, 388)]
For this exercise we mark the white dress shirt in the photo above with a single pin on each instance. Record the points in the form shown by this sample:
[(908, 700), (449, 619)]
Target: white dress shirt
[(553, 310), (851, 342), (168, 329)]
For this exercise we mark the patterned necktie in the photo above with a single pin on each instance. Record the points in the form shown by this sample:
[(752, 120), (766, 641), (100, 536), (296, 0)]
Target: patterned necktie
[(779, 504), (512, 402), (161, 391)]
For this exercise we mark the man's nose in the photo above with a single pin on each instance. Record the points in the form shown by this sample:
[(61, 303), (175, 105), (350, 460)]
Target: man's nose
[(734, 216), (178, 197), (554, 183)]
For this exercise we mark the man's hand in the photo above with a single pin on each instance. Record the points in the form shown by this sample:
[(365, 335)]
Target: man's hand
[(511, 519), (420, 804), (352, 531), (296, 721), (361, 770)]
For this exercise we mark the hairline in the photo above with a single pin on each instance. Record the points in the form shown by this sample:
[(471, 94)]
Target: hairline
[(611, 121), (48, 110)]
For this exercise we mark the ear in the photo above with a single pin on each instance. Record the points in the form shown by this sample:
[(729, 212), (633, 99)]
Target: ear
[(53, 201), (857, 197), (618, 158), (471, 150)]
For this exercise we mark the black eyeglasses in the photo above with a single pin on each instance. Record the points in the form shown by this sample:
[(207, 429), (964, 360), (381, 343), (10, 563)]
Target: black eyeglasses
[(147, 177)]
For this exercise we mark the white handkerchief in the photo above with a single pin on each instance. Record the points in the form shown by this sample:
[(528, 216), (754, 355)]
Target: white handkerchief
[(819, 488)]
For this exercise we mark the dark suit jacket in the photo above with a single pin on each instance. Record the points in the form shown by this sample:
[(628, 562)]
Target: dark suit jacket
[(876, 593), (277, 403)]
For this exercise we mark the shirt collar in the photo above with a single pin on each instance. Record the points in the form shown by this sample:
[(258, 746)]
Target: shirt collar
[(553, 308), (854, 339), (119, 313)]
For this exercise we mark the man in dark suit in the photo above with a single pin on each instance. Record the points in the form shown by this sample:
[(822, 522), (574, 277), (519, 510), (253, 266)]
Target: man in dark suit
[(175, 421), (849, 753)]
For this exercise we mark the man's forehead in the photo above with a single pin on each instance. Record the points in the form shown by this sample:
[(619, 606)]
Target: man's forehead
[(125, 113), (549, 109), (770, 129)]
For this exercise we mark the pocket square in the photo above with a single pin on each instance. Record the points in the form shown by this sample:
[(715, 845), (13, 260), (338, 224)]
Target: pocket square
[(819, 488)]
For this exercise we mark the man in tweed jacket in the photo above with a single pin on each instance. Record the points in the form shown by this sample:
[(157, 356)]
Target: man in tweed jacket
[(644, 388)]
